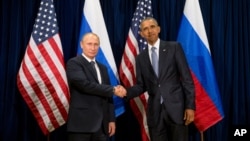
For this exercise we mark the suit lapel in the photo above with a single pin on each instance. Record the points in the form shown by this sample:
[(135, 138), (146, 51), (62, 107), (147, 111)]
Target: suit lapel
[(102, 70), (163, 51), (87, 64), (147, 61)]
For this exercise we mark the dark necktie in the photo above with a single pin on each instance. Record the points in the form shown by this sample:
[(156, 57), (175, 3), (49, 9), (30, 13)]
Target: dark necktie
[(94, 69), (97, 73)]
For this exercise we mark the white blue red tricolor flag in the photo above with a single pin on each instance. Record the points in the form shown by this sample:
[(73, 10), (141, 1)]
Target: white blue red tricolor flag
[(93, 21), (134, 44), (192, 36)]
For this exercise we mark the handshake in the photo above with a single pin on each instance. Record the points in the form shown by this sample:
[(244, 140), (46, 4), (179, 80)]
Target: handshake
[(120, 91)]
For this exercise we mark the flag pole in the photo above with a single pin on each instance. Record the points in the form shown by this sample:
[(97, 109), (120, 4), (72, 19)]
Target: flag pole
[(202, 136), (48, 138)]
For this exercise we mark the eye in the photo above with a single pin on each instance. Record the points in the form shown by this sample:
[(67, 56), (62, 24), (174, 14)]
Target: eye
[(145, 29), (152, 27)]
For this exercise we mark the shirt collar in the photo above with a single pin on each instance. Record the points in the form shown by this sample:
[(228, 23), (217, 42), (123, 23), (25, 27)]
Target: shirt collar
[(88, 59), (157, 45)]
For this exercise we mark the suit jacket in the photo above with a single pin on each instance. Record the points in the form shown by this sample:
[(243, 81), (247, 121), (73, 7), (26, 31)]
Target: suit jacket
[(174, 83), (91, 103)]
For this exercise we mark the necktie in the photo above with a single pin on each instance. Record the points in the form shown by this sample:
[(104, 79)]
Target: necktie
[(155, 63), (97, 73), (154, 60), (94, 69)]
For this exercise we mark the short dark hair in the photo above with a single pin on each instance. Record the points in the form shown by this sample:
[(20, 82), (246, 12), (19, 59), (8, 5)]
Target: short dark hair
[(147, 19)]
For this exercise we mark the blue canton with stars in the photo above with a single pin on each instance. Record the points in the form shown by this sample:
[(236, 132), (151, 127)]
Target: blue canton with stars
[(142, 11), (46, 24)]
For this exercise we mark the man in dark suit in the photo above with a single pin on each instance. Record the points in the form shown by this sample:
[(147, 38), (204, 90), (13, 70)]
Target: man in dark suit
[(91, 111), (171, 101)]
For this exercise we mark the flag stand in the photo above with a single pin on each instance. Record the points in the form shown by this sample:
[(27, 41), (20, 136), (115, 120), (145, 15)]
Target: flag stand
[(48, 138), (202, 137)]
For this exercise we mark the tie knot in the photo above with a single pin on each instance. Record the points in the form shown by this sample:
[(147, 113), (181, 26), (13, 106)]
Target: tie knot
[(153, 48), (92, 62)]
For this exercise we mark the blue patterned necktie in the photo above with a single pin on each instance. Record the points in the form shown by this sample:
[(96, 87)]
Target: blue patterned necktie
[(155, 63), (154, 60)]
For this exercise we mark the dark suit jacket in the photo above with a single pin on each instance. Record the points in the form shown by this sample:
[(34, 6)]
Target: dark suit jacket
[(174, 83), (91, 104)]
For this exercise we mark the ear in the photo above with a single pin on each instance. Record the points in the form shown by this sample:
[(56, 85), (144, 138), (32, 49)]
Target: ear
[(81, 44), (141, 34), (159, 29)]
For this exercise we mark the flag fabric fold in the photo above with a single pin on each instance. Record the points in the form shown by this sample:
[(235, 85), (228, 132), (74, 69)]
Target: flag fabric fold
[(93, 21), (41, 78), (134, 44), (192, 36)]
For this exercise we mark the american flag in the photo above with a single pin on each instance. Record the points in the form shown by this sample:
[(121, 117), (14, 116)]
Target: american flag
[(41, 79), (134, 44)]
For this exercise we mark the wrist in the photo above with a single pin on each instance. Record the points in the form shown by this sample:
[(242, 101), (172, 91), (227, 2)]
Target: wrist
[(114, 89)]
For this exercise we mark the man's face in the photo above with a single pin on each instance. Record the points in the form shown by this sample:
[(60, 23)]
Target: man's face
[(90, 45), (150, 31)]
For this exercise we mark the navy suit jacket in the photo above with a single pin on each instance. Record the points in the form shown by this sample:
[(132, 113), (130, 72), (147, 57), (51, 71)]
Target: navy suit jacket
[(91, 103), (174, 83)]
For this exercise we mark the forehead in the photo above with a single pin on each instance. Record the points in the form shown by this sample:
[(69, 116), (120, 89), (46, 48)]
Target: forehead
[(148, 22), (90, 37)]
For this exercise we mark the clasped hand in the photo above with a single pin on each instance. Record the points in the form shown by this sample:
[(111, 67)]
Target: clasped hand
[(120, 91)]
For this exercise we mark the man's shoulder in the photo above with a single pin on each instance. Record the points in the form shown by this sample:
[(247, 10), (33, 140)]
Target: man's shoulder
[(142, 53), (169, 43), (100, 64), (77, 58)]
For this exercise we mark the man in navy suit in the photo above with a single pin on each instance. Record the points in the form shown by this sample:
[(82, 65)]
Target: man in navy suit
[(170, 87), (91, 111)]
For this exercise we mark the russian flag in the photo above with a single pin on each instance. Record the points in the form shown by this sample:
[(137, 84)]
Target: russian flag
[(92, 21), (193, 39)]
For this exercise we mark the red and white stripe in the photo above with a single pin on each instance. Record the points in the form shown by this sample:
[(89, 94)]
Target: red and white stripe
[(43, 84), (128, 76)]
